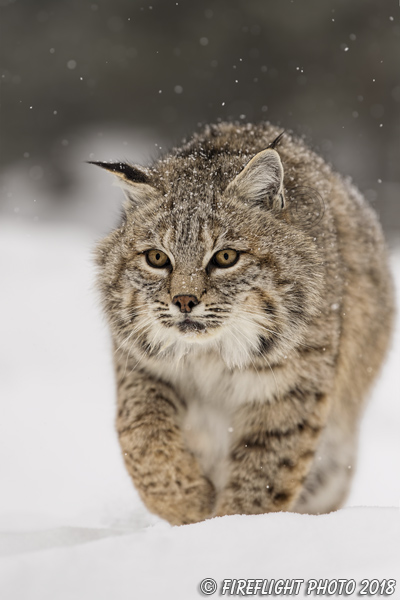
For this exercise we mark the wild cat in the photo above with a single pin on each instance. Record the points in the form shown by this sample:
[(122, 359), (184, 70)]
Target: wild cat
[(250, 305)]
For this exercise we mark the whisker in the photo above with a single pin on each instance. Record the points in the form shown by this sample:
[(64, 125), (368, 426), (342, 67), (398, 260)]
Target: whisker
[(269, 365), (249, 356), (129, 353), (277, 333), (135, 330)]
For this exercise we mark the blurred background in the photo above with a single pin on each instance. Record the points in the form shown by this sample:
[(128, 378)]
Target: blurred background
[(95, 79)]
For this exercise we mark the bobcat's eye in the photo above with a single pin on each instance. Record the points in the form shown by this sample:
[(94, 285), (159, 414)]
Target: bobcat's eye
[(157, 259), (225, 258)]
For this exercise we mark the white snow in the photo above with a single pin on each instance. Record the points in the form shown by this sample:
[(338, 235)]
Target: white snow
[(71, 523)]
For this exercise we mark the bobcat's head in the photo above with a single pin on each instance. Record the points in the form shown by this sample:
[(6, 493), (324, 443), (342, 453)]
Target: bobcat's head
[(206, 259)]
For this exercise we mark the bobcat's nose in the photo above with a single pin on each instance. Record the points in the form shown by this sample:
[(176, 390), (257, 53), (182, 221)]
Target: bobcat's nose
[(185, 303)]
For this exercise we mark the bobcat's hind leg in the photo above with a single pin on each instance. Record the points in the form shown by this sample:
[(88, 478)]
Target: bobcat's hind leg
[(328, 482)]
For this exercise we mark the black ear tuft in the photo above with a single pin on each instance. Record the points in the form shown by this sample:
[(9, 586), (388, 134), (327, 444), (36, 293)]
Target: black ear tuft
[(126, 172), (276, 141)]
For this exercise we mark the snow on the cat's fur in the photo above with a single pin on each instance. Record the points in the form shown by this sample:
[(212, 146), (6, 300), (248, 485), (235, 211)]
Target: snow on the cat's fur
[(71, 523)]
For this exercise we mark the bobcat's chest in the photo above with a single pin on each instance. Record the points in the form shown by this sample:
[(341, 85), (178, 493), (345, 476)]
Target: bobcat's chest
[(212, 393)]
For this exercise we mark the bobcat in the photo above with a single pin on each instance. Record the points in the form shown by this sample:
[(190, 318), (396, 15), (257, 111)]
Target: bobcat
[(250, 305)]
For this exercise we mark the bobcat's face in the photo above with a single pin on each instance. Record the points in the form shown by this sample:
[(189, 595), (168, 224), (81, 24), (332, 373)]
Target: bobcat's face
[(198, 269)]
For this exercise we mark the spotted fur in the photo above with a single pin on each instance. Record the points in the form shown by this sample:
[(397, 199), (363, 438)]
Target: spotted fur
[(251, 404)]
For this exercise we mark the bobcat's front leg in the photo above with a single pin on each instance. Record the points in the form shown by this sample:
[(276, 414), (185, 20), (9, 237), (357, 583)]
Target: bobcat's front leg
[(271, 453), (166, 475)]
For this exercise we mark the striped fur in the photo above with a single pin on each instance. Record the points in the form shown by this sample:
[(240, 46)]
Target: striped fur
[(256, 408)]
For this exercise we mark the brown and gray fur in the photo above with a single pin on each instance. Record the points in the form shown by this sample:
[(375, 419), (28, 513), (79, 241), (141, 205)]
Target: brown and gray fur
[(250, 401)]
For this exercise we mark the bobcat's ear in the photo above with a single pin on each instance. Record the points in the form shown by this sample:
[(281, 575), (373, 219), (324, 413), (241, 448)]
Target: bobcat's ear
[(135, 182), (261, 180)]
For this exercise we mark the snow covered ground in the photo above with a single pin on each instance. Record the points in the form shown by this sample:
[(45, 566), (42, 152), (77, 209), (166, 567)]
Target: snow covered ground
[(71, 523)]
